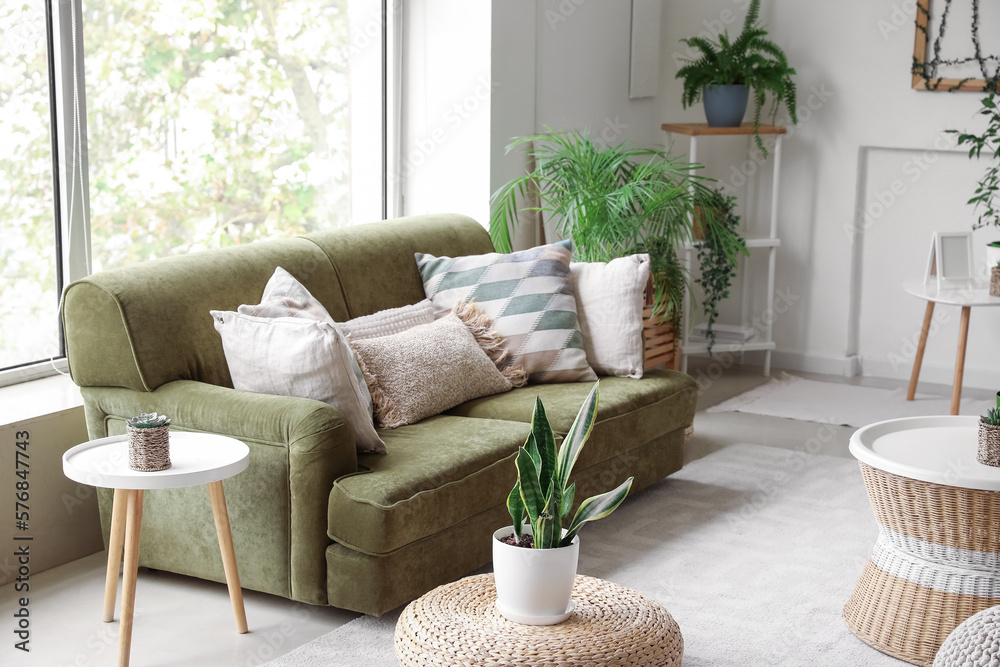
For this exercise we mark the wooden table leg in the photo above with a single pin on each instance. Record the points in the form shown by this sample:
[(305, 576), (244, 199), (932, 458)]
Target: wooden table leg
[(963, 335), (133, 527), (221, 514), (919, 359), (118, 510)]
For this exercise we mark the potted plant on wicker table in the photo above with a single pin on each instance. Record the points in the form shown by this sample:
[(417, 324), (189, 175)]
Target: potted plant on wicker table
[(535, 559)]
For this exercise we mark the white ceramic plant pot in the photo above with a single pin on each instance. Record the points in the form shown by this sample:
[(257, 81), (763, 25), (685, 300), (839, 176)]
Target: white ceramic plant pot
[(534, 585)]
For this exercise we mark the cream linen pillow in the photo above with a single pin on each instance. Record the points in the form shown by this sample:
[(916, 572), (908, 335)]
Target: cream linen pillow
[(285, 297), (388, 322), (609, 304), (296, 356), (428, 369)]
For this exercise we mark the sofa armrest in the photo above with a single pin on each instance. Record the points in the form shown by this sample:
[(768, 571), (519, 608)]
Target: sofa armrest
[(298, 447)]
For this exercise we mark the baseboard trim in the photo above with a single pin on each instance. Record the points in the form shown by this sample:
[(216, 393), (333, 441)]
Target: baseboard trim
[(811, 363), (974, 378)]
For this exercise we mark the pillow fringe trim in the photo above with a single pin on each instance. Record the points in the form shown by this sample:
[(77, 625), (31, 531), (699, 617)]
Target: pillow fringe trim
[(386, 413), (480, 326)]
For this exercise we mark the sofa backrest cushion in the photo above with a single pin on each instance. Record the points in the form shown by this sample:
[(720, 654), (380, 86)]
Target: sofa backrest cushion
[(147, 324), (375, 262)]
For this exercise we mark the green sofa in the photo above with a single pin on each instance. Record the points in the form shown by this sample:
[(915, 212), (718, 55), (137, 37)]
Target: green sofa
[(312, 520)]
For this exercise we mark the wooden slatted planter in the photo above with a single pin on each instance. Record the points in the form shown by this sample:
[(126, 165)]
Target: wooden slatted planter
[(660, 343)]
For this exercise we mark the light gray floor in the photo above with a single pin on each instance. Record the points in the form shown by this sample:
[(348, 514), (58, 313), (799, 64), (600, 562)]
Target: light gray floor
[(185, 621)]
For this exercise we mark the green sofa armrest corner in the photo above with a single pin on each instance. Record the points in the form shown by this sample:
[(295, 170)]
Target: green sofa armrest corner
[(298, 447)]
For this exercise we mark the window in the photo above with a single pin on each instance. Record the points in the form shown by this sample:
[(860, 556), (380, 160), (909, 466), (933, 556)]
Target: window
[(29, 266), (207, 123)]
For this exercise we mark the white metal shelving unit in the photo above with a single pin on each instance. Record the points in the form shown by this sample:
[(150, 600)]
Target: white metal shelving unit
[(770, 242)]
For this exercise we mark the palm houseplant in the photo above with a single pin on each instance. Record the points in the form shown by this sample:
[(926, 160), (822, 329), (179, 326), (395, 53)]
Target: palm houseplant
[(611, 201), (535, 558), (987, 196), (729, 69)]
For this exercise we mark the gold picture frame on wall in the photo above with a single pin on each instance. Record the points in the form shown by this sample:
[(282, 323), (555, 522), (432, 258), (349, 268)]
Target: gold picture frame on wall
[(925, 71)]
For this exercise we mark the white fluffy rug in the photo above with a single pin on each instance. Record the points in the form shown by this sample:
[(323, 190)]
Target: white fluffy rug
[(793, 397), (754, 550)]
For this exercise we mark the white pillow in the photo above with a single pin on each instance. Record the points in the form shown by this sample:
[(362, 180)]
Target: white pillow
[(278, 347), (284, 296), (389, 322), (609, 303)]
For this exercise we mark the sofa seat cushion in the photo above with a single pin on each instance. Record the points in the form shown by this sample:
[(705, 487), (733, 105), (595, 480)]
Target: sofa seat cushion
[(630, 412), (438, 473)]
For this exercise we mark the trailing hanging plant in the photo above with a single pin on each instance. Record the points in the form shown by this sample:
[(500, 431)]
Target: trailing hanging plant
[(987, 196), (751, 60), (718, 255), (611, 201)]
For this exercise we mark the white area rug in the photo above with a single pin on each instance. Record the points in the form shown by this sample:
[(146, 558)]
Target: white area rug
[(754, 550), (793, 397)]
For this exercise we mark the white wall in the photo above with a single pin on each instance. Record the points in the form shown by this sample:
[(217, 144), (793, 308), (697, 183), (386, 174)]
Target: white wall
[(862, 129)]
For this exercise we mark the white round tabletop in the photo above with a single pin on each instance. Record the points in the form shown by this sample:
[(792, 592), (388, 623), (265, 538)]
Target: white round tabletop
[(973, 294), (939, 450), (195, 458)]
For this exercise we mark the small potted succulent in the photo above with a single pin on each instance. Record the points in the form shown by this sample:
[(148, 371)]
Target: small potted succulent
[(148, 442), (989, 437), (535, 559)]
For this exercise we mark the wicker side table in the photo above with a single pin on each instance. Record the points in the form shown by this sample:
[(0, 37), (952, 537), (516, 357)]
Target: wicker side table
[(937, 558), (457, 624)]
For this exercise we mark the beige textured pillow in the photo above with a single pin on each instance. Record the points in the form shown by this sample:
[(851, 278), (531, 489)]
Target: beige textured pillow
[(609, 303), (430, 368), (388, 322)]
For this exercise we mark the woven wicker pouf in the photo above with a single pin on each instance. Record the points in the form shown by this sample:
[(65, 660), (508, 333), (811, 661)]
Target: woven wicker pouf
[(935, 564), (975, 643), (458, 624)]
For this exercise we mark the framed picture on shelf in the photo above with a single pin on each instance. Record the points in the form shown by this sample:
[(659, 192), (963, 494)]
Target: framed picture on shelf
[(950, 260)]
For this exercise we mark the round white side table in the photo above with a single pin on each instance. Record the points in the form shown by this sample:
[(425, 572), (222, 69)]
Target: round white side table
[(975, 295), (196, 458)]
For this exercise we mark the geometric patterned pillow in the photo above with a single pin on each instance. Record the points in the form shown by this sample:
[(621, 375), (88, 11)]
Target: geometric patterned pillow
[(530, 299)]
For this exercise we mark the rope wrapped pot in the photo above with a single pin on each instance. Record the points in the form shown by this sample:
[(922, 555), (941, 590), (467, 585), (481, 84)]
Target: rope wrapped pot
[(995, 281), (148, 442), (989, 444), (458, 624)]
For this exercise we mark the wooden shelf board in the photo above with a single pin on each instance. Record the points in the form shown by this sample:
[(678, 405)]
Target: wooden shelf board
[(695, 347), (751, 243), (702, 129)]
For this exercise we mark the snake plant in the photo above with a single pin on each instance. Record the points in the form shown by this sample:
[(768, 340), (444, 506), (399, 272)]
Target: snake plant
[(148, 420), (542, 493)]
